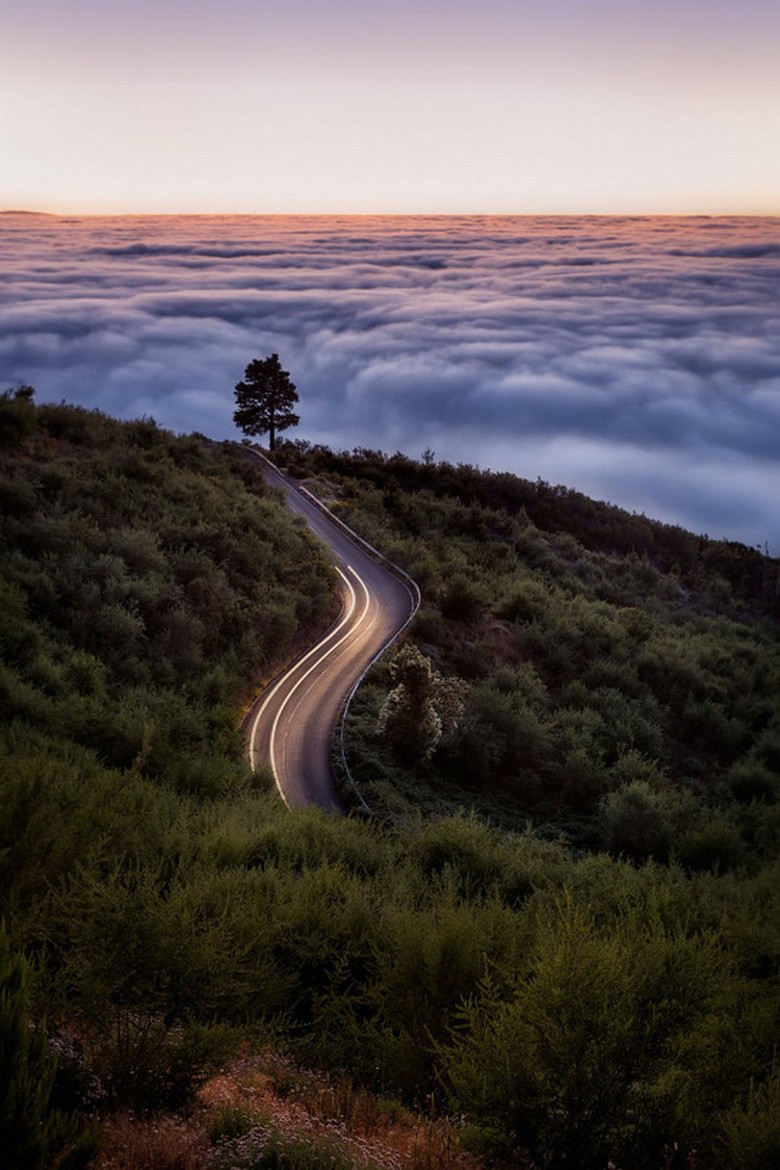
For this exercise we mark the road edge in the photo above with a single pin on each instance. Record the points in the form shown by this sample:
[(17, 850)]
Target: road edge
[(406, 578)]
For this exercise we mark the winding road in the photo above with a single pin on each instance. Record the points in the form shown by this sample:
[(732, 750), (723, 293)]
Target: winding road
[(292, 725)]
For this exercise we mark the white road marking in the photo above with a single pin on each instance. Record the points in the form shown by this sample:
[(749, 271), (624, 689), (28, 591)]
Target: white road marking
[(314, 650), (323, 522), (280, 682)]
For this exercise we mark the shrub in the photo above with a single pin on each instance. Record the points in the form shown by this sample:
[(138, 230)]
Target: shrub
[(750, 781), (463, 599), (716, 845), (33, 1132), (638, 822), (18, 420), (572, 1065), (752, 1127)]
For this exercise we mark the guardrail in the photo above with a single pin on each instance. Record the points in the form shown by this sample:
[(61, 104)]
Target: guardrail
[(414, 593)]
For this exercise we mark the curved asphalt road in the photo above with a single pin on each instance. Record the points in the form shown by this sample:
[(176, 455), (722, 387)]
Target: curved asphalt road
[(293, 723)]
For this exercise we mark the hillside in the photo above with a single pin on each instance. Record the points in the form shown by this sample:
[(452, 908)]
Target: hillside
[(572, 994), (619, 678)]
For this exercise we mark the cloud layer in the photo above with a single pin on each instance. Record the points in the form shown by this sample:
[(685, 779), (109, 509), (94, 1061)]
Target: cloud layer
[(635, 359)]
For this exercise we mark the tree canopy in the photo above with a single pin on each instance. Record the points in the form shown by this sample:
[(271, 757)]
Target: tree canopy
[(265, 398)]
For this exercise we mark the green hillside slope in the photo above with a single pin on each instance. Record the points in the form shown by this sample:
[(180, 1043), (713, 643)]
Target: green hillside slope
[(619, 678), (571, 1006)]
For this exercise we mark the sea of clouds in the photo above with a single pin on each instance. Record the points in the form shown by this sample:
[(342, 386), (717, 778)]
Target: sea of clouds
[(637, 360)]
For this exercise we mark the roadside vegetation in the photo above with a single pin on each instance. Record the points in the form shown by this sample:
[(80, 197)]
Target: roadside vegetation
[(566, 990), (617, 679)]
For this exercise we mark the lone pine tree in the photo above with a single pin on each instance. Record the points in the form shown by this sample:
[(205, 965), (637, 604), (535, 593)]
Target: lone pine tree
[(265, 398)]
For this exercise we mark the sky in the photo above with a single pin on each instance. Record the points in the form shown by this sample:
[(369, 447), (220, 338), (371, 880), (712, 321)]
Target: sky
[(635, 360), (414, 106)]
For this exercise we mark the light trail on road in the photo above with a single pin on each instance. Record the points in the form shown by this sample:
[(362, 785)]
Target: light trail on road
[(293, 726), (354, 626), (284, 680)]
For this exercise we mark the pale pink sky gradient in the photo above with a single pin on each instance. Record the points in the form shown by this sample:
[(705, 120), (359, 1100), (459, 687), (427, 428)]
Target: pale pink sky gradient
[(500, 106)]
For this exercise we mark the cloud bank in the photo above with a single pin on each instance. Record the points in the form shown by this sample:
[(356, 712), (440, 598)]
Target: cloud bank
[(635, 359)]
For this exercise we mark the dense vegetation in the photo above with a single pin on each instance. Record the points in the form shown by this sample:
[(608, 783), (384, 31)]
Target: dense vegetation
[(575, 1006), (620, 681)]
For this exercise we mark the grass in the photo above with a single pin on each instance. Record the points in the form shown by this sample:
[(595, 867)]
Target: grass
[(265, 1111)]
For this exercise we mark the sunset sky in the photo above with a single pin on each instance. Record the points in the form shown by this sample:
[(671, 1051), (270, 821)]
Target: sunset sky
[(502, 106)]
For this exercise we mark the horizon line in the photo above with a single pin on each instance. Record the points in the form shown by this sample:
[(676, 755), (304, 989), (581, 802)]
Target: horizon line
[(34, 212)]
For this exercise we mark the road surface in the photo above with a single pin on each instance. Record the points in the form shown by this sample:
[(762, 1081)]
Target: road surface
[(292, 726)]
